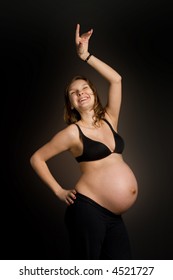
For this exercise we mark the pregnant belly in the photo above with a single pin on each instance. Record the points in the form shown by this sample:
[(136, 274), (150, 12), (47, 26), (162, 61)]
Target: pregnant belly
[(114, 187)]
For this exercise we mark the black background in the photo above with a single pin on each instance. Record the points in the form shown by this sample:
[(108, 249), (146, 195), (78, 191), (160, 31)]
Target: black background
[(37, 58)]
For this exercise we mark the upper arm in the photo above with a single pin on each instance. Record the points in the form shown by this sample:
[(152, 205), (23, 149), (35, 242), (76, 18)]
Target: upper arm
[(62, 141), (114, 101)]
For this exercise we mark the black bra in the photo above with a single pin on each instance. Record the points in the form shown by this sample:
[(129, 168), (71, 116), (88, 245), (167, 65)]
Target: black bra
[(95, 150)]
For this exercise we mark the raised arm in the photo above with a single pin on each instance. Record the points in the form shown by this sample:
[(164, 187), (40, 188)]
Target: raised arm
[(114, 79)]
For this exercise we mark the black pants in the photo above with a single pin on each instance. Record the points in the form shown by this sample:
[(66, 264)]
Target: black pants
[(95, 232)]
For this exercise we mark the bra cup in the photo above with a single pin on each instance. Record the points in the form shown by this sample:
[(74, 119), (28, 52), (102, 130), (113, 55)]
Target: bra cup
[(95, 150)]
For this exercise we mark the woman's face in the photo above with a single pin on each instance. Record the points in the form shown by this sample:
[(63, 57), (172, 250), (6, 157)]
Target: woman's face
[(81, 95)]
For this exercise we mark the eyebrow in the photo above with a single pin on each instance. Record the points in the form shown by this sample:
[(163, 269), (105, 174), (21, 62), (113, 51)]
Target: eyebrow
[(81, 85)]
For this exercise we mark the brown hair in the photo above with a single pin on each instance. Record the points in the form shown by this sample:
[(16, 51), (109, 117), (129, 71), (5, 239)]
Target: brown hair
[(72, 115)]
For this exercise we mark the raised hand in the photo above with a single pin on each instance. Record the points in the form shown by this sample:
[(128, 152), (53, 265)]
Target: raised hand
[(82, 42)]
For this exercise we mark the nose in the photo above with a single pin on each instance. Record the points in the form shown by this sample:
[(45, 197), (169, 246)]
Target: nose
[(80, 92)]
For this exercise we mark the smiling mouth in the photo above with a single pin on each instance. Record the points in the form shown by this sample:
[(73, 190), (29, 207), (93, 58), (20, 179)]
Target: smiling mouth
[(83, 99)]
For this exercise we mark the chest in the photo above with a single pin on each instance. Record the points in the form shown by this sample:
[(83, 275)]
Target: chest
[(103, 135)]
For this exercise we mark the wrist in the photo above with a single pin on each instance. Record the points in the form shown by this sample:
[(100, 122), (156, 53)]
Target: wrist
[(88, 57), (84, 56), (58, 192)]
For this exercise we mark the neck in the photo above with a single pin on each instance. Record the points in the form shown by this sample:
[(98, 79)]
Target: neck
[(87, 120)]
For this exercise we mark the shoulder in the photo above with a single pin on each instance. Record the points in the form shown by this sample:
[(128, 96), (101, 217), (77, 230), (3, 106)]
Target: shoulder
[(70, 133), (71, 130), (65, 139)]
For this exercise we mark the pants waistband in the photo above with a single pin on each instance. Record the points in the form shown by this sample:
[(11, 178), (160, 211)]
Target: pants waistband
[(95, 204)]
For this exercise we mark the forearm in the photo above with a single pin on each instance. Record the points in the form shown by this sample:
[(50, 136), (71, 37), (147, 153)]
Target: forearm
[(45, 175), (110, 74), (83, 52)]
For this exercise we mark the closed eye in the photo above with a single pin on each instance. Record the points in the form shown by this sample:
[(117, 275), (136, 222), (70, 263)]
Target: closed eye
[(72, 92)]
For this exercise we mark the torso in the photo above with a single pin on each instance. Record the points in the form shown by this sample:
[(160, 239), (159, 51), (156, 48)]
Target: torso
[(108, 181)]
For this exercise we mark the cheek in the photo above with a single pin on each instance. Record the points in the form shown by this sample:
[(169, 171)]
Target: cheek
[(71, 98), (92, 96), (90, 93)]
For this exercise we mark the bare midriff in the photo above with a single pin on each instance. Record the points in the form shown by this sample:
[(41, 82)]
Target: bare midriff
[(110, 182)]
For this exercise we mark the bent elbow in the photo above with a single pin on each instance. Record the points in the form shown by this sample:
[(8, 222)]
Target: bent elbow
[(117, 79), (36, 160), (33, 160)]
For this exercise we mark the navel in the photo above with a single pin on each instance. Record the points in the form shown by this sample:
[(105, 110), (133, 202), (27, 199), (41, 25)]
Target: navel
[(133, 190)]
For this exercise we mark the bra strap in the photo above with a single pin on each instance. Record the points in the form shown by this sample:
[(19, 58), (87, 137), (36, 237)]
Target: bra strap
[(109, 125), (80, 131)]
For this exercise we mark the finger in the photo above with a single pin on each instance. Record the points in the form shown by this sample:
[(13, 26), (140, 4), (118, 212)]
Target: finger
[(73, 196), (74, 192), (70, 201), (87, 34), (67, 202), (77, 33), (91, 32)]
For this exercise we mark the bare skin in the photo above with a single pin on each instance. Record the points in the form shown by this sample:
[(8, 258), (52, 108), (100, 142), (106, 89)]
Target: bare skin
[(109, 181)]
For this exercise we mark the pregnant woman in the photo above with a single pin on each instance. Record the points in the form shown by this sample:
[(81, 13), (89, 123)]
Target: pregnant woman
[(107, 186)]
